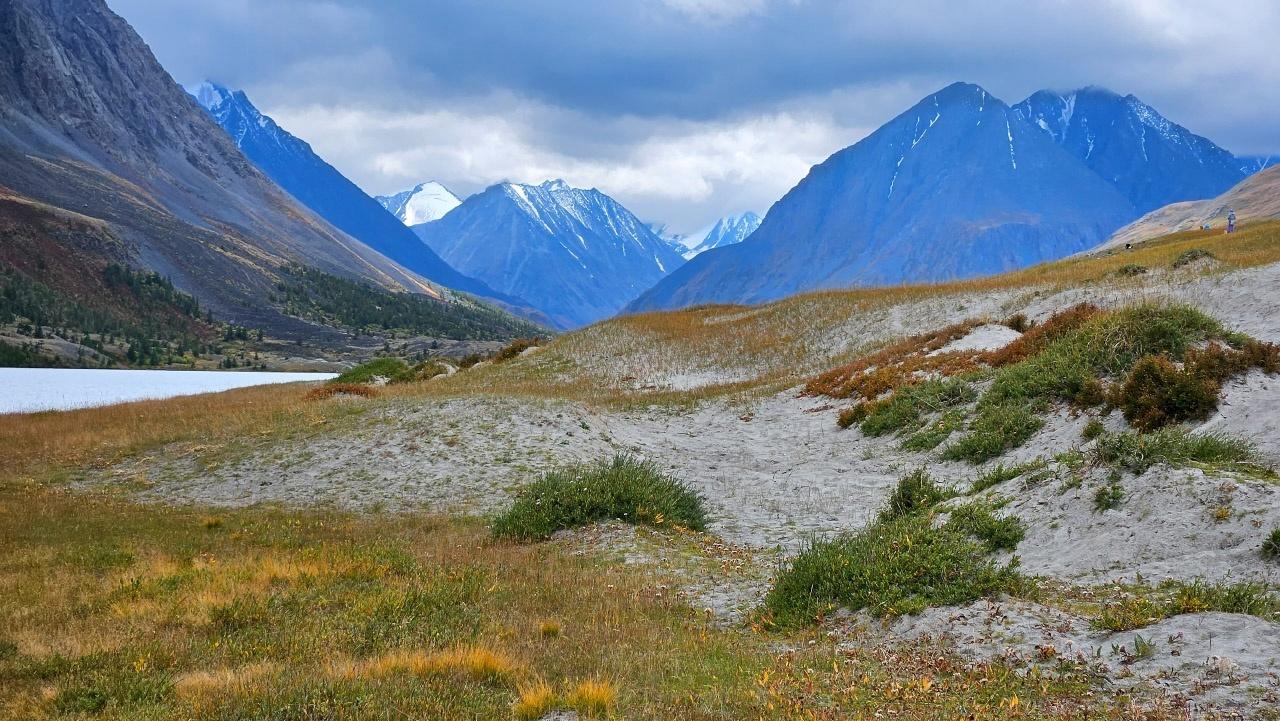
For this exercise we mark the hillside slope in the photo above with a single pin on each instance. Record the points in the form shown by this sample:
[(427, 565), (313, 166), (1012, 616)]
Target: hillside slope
[(1253, 199)]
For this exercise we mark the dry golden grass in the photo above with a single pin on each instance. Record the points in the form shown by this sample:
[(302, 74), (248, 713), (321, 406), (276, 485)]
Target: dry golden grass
[(329, 390), (593, 698), (537, 699), (479, 663), (40, 442), (213, 684)]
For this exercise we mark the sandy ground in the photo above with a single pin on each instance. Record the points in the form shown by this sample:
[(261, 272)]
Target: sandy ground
[(776, 472)]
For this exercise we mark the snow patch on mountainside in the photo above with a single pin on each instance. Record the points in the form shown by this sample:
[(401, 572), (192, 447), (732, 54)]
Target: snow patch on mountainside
[(424, 203)]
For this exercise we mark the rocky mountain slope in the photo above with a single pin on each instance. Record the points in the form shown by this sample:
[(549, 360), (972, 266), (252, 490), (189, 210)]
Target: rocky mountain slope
[(296, 168), (420, 204), (91, 124), (577, 255), (959, 185), (1151, 160)]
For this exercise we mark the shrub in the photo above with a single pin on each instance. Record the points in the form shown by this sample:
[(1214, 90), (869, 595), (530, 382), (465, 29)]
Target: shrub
[(891, 568), (914, 493), (850, 416), (469, 360), (1187, 257), (1129, 270), (1147, 605), (1093, 429), (1017, 322), (1136, 452), (392, 369), (515, 348), (1108, 497), (329, 390), (623, 488), (1157, 393), (997, 429), (935, 433), (979, 520), (1271, 546), (905, 408), (1037, 337)]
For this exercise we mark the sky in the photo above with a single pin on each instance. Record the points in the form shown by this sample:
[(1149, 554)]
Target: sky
[(688, 110)]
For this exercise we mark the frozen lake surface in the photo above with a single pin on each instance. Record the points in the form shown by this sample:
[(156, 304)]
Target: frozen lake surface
[(23, 390)]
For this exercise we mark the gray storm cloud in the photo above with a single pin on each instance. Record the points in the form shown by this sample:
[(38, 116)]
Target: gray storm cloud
[(689, 109)]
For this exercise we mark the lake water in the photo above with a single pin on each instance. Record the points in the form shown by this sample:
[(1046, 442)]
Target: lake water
[(23, 390)]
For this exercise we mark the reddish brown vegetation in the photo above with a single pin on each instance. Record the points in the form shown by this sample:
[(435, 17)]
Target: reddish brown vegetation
[(329, 390)]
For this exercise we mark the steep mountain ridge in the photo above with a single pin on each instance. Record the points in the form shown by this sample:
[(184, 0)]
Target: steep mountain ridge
[(92, 125), (90, 122), (577, 255), (959, 185), (423, 203), (295, 167), (1150, 159)]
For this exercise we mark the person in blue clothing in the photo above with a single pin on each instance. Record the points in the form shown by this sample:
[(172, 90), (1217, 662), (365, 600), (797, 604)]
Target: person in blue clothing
[(1231, 220)]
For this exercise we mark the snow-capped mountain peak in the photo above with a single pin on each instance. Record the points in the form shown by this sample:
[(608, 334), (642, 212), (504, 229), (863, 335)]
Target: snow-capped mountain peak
[(576, 254), (424, 203)]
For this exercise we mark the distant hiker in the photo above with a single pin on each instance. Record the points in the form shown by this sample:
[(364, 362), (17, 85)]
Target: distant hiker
[(1231, 221)]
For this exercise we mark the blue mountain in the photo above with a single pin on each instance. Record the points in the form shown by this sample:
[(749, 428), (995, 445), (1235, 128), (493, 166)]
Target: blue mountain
[(294, 166), (958, 186), (577, 255), (1150, 159), (1250, 164)]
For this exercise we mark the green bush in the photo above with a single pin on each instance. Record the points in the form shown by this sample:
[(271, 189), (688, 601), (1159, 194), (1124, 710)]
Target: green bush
[(891, 568), (1157, 393), (1136, 452), (1093, 429), (623, 488), (1271, 546), (515, 348), (905, 408), (997, 429), (1108, 497), (1187, 257), (393, 369), (979, 520), (1129, 270), (932, 435), (914, 493)]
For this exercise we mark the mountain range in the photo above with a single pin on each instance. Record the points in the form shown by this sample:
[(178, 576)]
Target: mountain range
[(1151, 160), (728, 230), (958, 186), (577, 255), (423, 203)]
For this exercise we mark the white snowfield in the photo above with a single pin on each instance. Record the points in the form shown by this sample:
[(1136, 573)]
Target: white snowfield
[(776, 471)]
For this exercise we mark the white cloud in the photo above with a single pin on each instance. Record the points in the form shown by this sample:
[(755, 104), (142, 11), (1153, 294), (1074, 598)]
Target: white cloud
[(716, 10), (681, 172)]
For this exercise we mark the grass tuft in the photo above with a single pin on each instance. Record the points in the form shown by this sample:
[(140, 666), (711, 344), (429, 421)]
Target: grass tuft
[(1157, 393), (389, 369), (914, 493), (593, 698), (623, 488), (979, 520), (1271, 546), (999, 474), (1137, 452), (537, 699), (331, 390), (1144, 605)]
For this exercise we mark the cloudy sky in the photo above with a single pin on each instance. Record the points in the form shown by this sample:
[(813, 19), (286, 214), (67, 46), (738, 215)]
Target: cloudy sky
[(686, 110)]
